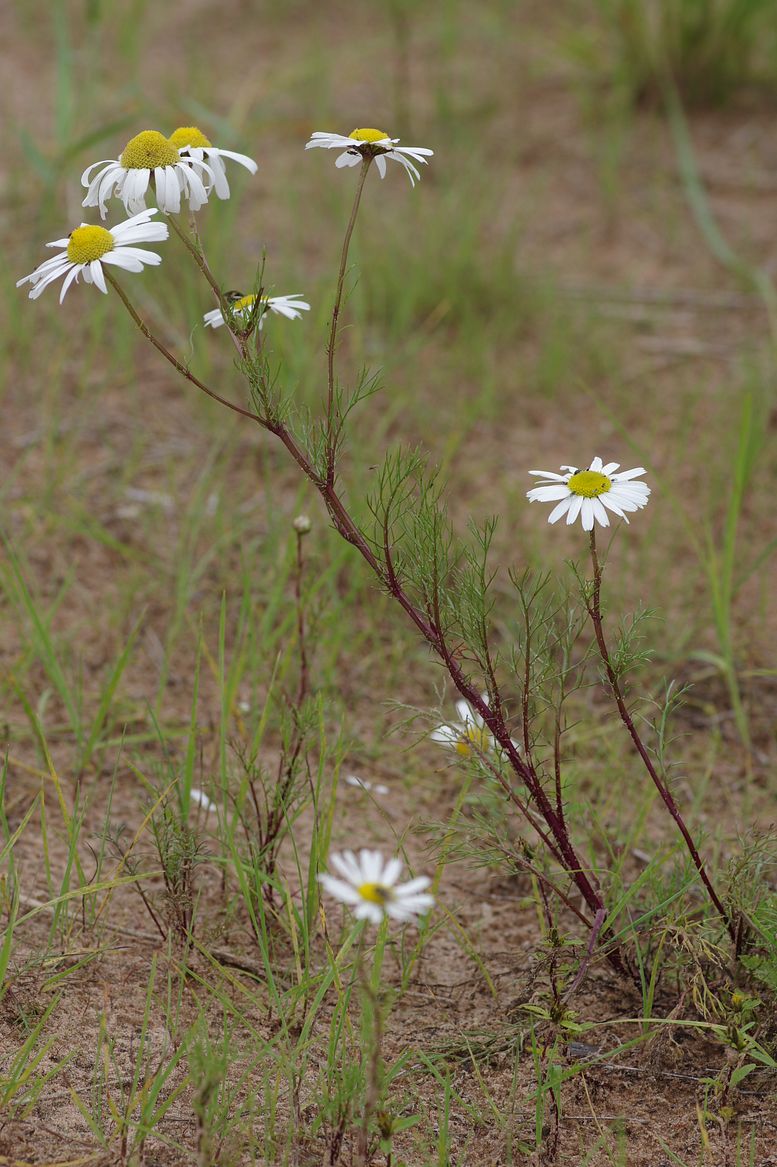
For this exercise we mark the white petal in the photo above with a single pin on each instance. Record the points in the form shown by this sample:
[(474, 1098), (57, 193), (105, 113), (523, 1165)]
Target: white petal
[(95, 267), (599, 512), (412, 886), (575, 506), (391, 872), (243, 159), (339, 889), (465, 712), (548, 493), (562, 508), (346, 863), (200, 798), (446, 735), (368, 911), (550, 476), (348, 159)]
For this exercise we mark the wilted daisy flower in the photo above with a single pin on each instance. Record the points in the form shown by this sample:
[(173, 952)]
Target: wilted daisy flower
[(470, 730), (129, 176), (190, 142), (87, 248), (290, 306), (363, 784), (375, 144), (590, 493), (369, 886)]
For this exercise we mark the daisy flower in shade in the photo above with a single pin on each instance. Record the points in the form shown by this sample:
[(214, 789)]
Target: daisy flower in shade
[(148, 154), (368, 884), (290, 306), (590, 494), (192, 143), (372, 144), (87, 248), (470, 730)]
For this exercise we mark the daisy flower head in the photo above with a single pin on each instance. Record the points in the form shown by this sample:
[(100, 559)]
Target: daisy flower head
[(368, 884), (590, 494), (291, 307), (367, 143), (148, 157), (87, 248), (466, 735), (190, 142)]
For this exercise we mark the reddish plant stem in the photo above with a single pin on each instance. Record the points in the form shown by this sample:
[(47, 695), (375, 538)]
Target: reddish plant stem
[(595, 612), (181, 368), (430, 627)]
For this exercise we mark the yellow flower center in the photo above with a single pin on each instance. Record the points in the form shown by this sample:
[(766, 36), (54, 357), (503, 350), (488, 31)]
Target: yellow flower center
[(148, 150), (376, 893), (473, 735), (189, 136), (242, 303), (589, 483), (368, 136), (88, 243)]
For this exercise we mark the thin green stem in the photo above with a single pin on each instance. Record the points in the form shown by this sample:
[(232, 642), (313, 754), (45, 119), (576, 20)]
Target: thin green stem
[(331, 441), (370, 990), (196, 250), (595, 612)]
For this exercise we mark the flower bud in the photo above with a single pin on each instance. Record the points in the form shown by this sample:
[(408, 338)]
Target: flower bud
[(302, 524)]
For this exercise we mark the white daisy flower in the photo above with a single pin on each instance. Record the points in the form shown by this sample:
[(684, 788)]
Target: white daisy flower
[(291, 307), (470, 730), (367, 143), (590, 493), (129, 176), (363, 784), (199, 798), (369, 886), (190, 142), (87, 248)]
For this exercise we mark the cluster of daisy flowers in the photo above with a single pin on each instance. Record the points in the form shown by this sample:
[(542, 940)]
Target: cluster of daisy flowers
[(184, 167)]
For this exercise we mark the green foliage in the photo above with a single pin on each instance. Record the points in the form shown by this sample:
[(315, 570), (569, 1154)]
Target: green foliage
[(708, 48)]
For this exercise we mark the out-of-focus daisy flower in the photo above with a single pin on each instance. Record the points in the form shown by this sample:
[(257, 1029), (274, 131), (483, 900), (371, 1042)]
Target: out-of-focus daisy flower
[(87, 248), (589, 494), (190, 142), (367, 143), (369, 886), (290, 306), (363, 784), (468, 732), (199, 798), (148, 153)]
